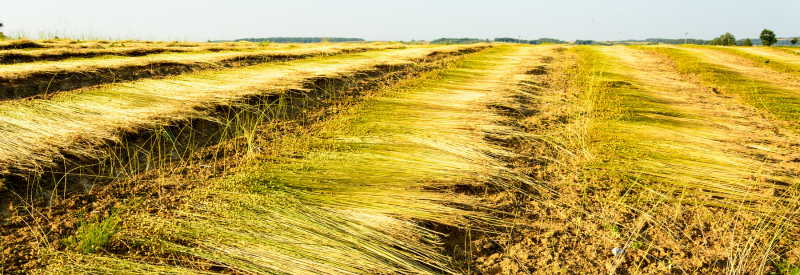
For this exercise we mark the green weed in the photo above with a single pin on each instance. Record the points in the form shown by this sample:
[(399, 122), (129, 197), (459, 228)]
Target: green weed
[(787, 268), (614, 230), (94, 234)]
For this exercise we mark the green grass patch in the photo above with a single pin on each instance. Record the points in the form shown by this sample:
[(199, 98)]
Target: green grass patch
[(94, 234)]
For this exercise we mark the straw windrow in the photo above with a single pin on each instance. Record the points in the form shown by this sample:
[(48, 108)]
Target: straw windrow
[(350, 203), (119, 48), (47, 78), (37, 132)]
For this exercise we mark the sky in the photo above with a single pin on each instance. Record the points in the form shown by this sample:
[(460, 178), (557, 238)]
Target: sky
[(202, 20)]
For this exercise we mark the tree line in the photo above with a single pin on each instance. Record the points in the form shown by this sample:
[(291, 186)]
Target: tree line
[(532, 42), (502, 39), (299, 39), (767, 38), (459, 41)]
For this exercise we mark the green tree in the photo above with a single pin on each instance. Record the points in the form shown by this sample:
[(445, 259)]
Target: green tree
[(794, 41), (768, 38), (747, 43), (728, 39)]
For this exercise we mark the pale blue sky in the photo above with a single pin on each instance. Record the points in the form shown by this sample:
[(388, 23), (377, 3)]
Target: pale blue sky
[(403, 20)]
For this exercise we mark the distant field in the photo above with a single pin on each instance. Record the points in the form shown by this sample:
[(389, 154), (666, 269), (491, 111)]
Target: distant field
[(136, 157)]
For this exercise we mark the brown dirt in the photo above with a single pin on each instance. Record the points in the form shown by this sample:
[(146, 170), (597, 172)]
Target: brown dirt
[(32, 231)]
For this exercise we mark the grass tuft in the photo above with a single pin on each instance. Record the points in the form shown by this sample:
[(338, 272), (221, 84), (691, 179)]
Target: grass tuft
[(93, 235)]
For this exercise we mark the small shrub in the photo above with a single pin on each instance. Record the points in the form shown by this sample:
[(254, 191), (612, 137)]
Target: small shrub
[(747, 43), (794, 41)]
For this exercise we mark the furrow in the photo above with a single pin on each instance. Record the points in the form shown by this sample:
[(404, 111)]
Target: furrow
[(684, 134), (785, 60), (36, 132), (647, 160), (350, 200), (47, 78), (773, 92), (57, 54)]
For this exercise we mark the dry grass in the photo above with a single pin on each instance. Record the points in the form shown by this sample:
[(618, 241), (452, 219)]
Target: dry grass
[(688, 135), (766, 89), (38, 131), (351, 194), (681, 156), (23, 70), (678, 142), (72, 49), (650, 160), (19, 44), (782, 59)]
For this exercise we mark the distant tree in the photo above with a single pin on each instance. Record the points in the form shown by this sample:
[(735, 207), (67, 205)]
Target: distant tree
[(794, 41), (768, 38), (747, 43), (726, 39), (449, 41)]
